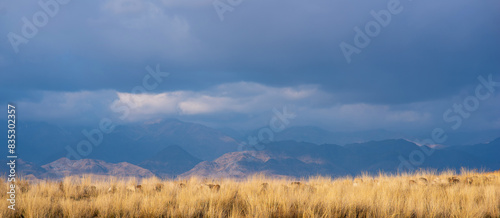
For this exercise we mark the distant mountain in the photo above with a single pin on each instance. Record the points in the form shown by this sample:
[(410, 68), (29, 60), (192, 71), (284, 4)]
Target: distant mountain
[(291, 154), (170, 162), (470, 138), (43, 143), (136, 142), (290, 158), (282, 158), (321, 136), (23, 168), (318, 135), (489, 152), (242, 164), (66, 167), (385, 156), (299, 159)]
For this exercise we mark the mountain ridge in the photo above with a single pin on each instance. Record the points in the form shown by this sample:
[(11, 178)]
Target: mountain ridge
[(299, 159), (281, 158), (170, 162)]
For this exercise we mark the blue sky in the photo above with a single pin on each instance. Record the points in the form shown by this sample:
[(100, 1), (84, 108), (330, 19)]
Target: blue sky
[(89, 55)]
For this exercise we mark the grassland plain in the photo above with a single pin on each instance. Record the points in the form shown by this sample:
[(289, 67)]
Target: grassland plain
[(422, 194)]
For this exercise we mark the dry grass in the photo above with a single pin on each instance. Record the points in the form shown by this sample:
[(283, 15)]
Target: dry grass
[(429, 195)]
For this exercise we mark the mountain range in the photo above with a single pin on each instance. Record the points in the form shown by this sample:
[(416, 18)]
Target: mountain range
[(286, 159), (42, 143), (300, 159), (172, 148)]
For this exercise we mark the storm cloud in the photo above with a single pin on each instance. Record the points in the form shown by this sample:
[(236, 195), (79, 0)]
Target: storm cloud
[(264, 54)]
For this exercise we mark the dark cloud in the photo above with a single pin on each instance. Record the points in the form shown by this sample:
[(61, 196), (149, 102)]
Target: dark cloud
[(429, 52)]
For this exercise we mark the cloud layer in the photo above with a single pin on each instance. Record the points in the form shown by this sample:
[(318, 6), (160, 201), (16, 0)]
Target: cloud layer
[(250, 105), (90, 55)]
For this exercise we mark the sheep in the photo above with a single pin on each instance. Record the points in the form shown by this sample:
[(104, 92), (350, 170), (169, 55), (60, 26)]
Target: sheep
[(158, 187), (423, 180), (453, 180), (215, 187), (469, 180)]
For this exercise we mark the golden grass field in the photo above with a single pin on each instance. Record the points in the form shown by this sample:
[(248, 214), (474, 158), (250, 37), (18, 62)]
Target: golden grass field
[(446, 194)]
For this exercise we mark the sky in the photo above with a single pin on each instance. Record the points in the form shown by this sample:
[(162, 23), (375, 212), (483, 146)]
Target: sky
[(345, 65)]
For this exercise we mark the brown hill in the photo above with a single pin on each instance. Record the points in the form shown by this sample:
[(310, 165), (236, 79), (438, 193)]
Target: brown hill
[(268, 162), (66, 167)]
